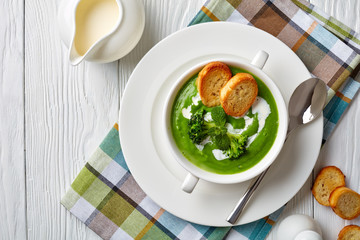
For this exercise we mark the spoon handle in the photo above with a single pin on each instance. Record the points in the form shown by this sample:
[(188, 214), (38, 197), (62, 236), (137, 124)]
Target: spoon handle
[(236, 212), (234, 215)]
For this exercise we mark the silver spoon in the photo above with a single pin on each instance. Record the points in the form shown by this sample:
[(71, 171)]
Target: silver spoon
[(306, 104)]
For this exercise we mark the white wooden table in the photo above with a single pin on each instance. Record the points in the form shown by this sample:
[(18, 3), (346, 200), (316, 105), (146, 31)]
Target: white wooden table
[(53, 115)]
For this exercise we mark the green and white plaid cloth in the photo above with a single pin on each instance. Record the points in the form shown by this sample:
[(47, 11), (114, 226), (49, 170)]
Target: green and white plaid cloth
[(106, 197)]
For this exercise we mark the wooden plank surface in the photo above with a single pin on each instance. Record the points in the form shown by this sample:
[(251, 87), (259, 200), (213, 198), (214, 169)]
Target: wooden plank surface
[(65, 111), (342, 149), (70, 109), (68, 112), (12, 161)]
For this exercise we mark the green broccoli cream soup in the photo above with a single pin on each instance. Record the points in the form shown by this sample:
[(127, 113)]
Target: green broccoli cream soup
[(217, 142)]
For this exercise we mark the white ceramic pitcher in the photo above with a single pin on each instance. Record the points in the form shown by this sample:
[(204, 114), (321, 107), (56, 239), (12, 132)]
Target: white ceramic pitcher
[(299, 227), (98, 30)]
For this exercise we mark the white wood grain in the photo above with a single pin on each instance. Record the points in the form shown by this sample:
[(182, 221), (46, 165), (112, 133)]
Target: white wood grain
[(341, 149), (162, 18), (347, 12), (12, 162), (68, 110)]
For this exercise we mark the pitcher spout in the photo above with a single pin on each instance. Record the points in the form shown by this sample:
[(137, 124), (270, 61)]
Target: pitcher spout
[(74, 57)]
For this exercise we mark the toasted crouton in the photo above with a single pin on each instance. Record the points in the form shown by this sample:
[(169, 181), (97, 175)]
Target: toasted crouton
[(239, 93), (345, 203), (210, 80), (350, 232), (326, 181)]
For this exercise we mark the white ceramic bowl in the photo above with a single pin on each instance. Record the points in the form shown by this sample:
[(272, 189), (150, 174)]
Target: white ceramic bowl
[(196, 173)]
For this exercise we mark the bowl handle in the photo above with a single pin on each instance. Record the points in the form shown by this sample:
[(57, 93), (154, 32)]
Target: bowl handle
[(260, 59), (189, 183)]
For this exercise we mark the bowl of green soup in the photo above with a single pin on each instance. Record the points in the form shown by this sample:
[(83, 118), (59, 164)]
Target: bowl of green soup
[(227, 149)]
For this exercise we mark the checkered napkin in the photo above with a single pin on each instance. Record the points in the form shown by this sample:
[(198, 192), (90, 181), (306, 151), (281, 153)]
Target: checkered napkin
[(106, 197), (329, 49)]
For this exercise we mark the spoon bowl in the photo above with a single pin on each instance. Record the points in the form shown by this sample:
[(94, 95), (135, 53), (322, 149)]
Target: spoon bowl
[(306, 103)]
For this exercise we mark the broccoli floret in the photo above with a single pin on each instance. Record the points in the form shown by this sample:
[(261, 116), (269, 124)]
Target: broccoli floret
[(196, 132), (237, 145), (233, 145), (199, 129)]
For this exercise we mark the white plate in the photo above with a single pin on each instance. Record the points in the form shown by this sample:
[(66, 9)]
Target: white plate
[(142, 138)]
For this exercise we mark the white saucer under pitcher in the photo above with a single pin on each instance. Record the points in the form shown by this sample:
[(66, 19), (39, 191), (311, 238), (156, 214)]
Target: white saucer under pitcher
[(100, 30)]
